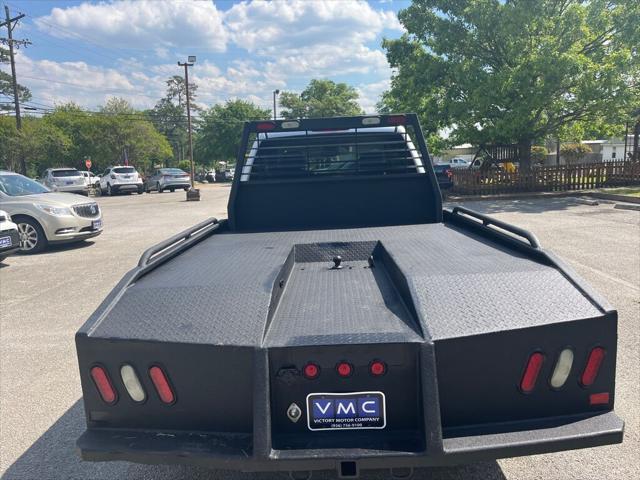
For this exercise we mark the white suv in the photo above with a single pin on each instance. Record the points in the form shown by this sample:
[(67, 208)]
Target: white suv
[(64, 180), (121, 179)]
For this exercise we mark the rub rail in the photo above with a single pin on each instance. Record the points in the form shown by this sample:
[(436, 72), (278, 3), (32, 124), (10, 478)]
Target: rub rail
[(151, 254), (488, 221)]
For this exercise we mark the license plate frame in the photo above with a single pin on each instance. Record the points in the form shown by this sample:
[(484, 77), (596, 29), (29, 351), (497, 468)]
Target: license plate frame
[(6, 242), (346, 411)]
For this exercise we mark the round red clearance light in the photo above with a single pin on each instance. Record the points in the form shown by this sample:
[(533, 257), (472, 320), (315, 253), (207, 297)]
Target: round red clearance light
[(311, 371), (377, 368), (344, 369)]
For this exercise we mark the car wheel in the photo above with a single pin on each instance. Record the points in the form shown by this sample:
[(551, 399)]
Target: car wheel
[(172, 190), (109, 191), (32, 238), (140, 190), (146, 188), (158, 188), (186, 189)]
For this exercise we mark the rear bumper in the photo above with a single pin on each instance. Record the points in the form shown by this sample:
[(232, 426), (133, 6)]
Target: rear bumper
[(175, 184), (228, 451), (129, 187)]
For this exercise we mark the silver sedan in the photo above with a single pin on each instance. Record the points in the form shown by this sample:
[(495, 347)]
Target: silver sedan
[(44, 217)]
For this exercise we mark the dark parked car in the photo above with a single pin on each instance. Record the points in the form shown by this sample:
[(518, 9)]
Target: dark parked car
[(167, 179), (335, 340), (443, 175)]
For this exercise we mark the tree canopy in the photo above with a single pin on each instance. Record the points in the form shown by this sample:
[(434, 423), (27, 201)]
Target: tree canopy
[(321, 98), (220, 129), (69, 134), (515, 71)]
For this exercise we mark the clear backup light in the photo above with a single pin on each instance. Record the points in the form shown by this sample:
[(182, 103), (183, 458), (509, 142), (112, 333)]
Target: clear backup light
[(371, 121), (290, 124), (132, 383), (562, 368)]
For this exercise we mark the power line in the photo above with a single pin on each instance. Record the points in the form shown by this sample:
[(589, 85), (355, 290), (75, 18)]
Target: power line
[(11, 25)]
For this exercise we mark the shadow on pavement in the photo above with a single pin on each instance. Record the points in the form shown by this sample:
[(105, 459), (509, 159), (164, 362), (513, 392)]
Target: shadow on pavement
[(53, 456), (520, 205), (59, 247)]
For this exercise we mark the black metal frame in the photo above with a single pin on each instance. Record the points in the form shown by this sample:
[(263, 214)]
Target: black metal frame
[(428, 180), (252, 447)]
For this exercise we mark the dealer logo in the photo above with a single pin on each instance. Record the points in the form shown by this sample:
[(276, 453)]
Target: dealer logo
[(358, 410)]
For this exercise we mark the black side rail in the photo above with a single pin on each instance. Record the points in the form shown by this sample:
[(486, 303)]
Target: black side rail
[(170, 246), (488, 221)]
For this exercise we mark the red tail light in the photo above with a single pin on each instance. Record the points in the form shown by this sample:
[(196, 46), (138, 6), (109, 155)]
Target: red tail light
[(265, 126), (593, 366), (530, 377), (311, 371), (396, 120), (344, 369), (103, 384), (449, 173), (161, 383), (377, 368), (599, 398)]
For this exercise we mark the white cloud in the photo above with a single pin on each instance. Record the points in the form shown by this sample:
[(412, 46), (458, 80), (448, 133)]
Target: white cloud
[(370, 94), (282, 45), (144, 24), (274, 27)]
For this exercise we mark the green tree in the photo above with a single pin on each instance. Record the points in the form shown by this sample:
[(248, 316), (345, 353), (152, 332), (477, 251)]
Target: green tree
[(218, 135), (6, 88), (321, 98), (177, 92), (574, 152), (514, 71), (170, 120)]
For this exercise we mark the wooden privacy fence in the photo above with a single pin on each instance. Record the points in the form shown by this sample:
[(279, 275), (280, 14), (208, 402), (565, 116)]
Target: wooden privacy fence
[(546, 178)]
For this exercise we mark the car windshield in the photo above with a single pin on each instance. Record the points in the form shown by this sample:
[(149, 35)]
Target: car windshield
[(17, 185), (65, 173), (124, 170), (173, 171)]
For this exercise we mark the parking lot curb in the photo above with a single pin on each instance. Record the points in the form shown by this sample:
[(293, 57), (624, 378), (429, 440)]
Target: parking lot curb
[(627, 206), (511, 196)]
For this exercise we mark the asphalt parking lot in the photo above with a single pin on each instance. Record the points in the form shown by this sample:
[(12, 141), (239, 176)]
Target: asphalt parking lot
[(45, 298)]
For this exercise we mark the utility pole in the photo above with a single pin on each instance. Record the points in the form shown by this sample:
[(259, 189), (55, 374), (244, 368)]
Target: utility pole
[(275, 114), (189, 63), (11, 24)]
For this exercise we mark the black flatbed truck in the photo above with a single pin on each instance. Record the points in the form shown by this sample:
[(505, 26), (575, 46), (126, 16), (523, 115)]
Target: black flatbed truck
[(341, 319)]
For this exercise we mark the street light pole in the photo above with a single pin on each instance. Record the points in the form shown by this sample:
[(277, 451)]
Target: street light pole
[(186, 65), (275, 114)]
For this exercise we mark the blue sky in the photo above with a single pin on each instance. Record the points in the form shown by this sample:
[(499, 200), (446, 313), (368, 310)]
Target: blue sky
[(89, 51)]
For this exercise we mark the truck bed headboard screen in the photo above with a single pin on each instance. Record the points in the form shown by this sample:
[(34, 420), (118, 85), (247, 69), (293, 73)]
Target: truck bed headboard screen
[(333, 173)]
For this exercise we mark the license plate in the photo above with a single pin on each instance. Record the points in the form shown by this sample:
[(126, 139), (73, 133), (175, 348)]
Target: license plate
[(96, 224), (5, 242), (69, 182), (127, 176), (346, 411)]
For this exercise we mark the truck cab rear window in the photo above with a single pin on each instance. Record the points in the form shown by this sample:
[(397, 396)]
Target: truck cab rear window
[(332, 154)]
